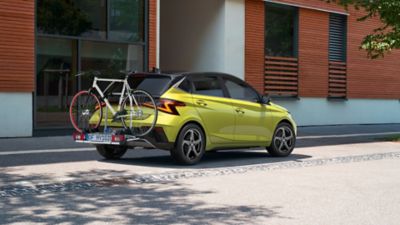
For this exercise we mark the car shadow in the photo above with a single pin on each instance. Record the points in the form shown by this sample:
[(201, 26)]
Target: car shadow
[(211, 159)]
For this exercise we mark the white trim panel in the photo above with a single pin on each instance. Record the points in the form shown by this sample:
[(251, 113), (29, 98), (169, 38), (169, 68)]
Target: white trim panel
[(308, 7), (16, 115), (320, 111), (234, 37)]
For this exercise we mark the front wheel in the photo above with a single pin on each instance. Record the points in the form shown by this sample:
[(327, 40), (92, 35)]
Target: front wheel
[(111, 152), (283, 141), (83, 106), (190, 147)]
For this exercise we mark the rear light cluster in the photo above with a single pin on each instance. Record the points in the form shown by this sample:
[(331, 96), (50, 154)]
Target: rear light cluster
[(79, 137), (118, 138), (102, 105), (169, 106)]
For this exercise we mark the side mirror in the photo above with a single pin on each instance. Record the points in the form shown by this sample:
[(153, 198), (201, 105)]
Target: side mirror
[(265, 99)]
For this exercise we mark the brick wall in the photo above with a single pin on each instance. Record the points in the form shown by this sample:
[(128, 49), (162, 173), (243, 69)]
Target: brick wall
[(254, 43), (320, 4), (377, 79), (17, 46), (152, 33), (313, 53)]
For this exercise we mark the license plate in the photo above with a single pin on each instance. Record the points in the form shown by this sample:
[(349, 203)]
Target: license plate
[(99, 137)]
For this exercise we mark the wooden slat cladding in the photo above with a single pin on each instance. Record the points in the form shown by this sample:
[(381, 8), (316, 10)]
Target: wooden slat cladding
[(281, 76), (337, 79), (17, 45)]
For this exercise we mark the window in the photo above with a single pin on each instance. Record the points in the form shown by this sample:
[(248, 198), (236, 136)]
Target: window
[(156, 85), (55, 83), (281, 30), (126, 20), (85, 18), (208, 85), (337, 37), (117, 20), (109, 58), (185, 86), (239, 90)]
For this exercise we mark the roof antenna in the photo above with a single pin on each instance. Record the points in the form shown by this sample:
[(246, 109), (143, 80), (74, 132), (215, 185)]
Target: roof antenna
[(155, 70)]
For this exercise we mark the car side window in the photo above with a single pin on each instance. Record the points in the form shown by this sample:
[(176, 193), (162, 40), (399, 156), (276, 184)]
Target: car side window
[(241, 91), (207, 85), (185, 86)]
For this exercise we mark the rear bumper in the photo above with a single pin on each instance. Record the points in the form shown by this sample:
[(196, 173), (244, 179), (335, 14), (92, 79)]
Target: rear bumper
[(156, 139)]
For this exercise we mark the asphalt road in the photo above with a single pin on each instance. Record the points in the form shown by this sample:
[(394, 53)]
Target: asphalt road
[(59, 149), (337, 175)]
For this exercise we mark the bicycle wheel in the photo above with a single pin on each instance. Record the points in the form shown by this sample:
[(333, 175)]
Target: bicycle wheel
[(141, 113), (84, 106)]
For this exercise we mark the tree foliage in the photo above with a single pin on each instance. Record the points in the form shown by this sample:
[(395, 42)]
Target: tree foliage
[(386, 37)]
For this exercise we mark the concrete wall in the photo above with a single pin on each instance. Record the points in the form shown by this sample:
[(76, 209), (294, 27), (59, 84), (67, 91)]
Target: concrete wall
[(320, 111), (16, 114), (205, 35)]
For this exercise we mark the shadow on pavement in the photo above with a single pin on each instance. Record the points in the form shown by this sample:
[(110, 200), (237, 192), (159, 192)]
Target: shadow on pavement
[(168, 203), (211, 160)]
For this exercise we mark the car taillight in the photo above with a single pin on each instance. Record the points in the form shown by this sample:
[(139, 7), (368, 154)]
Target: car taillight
[(118, 138), (102, 105), (169, 106), (79, 136)]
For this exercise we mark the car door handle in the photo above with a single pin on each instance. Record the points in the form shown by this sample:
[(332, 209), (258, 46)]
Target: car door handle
[(201, 102), (239, 110)]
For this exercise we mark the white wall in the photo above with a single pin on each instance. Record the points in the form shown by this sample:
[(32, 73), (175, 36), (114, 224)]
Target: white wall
[(320, 111), (234, 37), (206, 35), (16, 114)]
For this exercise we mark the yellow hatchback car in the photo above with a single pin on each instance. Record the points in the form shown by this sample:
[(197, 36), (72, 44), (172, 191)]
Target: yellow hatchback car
[(200, 112)]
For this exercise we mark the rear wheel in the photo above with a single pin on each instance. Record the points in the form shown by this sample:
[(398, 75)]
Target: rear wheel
[(190, 146), (140, 113), (83, 106), (111, 152), (283, 142)]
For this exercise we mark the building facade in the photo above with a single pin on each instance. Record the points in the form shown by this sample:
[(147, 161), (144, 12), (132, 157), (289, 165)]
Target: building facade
[(305, 54)]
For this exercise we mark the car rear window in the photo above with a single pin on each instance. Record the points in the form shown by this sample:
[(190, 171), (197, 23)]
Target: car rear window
[(156, 85)]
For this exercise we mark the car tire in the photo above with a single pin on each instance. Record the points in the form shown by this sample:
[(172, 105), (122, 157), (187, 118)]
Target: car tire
[(283, 141), (190, 146), (111, 152)]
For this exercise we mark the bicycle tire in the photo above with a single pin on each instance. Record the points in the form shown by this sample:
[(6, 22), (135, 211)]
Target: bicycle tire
[(147, 110), (90, 106)]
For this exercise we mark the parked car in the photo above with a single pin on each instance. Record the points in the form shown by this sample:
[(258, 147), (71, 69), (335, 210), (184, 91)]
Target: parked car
[(200, 112)]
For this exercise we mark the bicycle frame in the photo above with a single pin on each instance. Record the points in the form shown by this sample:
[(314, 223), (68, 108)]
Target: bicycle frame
[(125, 89)]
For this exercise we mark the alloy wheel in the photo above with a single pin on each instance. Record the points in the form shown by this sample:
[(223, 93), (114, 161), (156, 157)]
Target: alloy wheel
[(284, 139), (192, 144)]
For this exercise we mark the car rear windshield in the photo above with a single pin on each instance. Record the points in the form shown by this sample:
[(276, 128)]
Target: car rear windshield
[(156, 85)]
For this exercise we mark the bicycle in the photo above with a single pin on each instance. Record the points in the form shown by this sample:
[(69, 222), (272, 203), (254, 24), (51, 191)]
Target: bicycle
[(136, 109)]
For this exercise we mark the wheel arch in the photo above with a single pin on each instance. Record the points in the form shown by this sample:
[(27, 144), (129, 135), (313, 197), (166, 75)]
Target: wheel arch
[(285, 120), (192, 122)]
